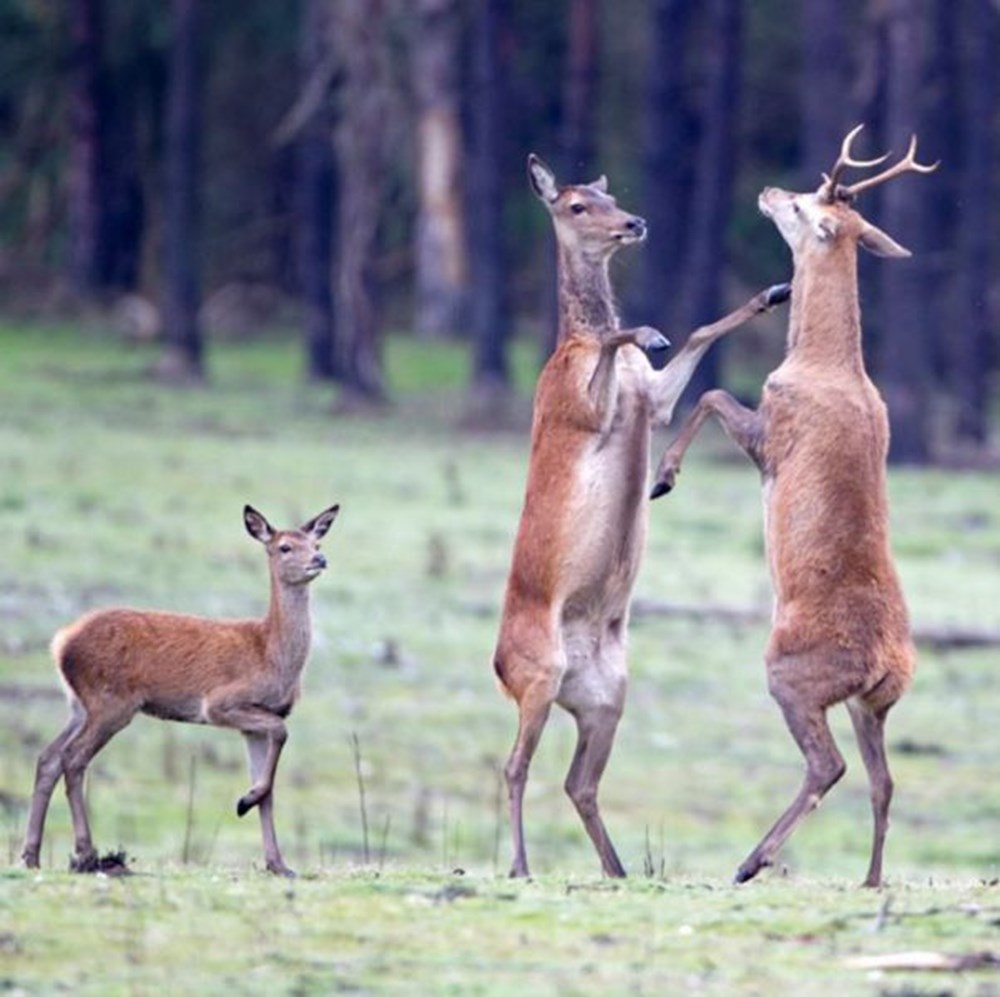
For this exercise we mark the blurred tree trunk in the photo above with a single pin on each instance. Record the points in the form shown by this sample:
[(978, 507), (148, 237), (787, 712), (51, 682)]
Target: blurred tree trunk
[(87, 160), (315, 195), (580, 90), (183, 358), (358, 29), (701, 294), (974, 325), (905, 300), (826, 84), (440, 239), (490, 389), (668, 135)]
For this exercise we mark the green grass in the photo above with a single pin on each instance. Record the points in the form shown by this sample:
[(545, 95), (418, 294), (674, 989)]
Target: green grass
[(114, 490)]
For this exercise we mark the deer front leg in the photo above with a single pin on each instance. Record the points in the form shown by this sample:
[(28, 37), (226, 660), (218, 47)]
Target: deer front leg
[(744, 426), (600, 389), (669, 383)]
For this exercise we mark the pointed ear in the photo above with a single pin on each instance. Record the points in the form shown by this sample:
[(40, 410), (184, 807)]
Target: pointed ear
[(257, 526), (876, 241), (319, 526), (601, 184), (542, 180)]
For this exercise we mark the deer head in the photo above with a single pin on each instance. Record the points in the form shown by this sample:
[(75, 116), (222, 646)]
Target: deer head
[(585, 216), (294, 555), (819, 220)]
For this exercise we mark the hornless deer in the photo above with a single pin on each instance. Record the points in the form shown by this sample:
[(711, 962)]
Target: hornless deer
[(819, 438), (583, 527), (242, 674)]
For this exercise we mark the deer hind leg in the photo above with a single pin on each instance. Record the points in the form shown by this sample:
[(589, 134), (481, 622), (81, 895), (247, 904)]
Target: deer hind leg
[(47, 773), (77, 754), (869, 727), (258, 748), (744, 427), (824, 766), (534, 706), (596, 728)]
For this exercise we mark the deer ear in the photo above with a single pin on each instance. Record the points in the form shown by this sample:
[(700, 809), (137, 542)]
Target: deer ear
[(257, 526), (876, 241), (601, 184), (542, 179), (319, 526)]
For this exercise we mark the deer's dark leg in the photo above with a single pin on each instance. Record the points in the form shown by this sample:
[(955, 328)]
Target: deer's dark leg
[(869, 727)]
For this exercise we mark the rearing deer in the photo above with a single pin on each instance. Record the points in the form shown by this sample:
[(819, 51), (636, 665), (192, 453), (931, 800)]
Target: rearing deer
[(840, 630), (583, 527), (242, 674)]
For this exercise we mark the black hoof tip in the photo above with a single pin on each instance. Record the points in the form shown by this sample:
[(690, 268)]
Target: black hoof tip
[(777, 294), (660, 489), (243, 808)]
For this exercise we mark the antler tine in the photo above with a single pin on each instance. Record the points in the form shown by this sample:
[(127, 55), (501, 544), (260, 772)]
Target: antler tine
[(828, 189), (906, 165)]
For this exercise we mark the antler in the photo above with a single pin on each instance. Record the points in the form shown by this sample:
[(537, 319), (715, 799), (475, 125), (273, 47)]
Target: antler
[(828, 190), (906, 165)]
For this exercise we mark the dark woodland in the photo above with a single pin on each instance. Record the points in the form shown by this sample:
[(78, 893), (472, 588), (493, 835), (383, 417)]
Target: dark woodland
[(357, 167)]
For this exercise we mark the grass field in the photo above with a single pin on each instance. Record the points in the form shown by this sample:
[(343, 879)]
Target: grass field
[(113, 490)]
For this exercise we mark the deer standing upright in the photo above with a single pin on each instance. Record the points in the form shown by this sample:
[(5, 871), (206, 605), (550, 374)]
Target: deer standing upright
[(242, 674), (819, 438), (583, 527)]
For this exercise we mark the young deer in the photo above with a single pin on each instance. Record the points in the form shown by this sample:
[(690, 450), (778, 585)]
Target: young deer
[(583, 527), (242, 674), (840, 630)]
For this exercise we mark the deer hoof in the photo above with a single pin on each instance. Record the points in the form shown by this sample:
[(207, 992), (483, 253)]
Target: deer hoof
[(776, 294), (663, 485)]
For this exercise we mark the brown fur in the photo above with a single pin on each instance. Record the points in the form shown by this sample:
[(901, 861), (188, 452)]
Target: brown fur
[(242, 674), (583, 526), (820, 436)]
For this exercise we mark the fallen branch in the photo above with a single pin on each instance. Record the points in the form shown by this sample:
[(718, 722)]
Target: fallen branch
[(938, 638), (927, 961)]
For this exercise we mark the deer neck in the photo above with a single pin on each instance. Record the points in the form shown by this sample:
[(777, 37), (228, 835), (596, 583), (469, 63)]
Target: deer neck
[(824, 325), (287, 628), (586, 306)]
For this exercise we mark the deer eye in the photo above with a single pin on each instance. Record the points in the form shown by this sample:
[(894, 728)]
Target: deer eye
[(578, 208), (285, 548)]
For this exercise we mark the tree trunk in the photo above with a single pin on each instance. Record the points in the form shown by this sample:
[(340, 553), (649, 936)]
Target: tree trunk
[(490, 389), (358, 28), (580, 89), (86, 159), (315, 196), (972, 338), (668, 135), (905, 355), (183, 357), (826, 82), (440, 241), (701, 294)]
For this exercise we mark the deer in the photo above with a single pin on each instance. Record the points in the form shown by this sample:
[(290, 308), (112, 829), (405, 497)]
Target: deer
[(840, 630), (240, 674), (563, 629)]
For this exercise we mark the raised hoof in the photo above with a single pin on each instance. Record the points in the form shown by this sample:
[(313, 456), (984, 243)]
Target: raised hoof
[(245, 804), (777, 294), (664, 484)]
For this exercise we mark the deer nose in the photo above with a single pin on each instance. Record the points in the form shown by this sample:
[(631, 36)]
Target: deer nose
[(637, 225), (319, 561)]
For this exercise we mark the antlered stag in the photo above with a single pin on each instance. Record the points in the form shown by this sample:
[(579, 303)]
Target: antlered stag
[(242, 674), (820, 436), (583, 527)]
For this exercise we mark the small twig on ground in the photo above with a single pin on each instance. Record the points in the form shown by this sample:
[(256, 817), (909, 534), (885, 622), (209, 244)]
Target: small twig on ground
[(189, 817)]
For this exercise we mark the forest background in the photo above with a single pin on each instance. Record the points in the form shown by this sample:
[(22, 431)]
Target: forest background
[(337, 169)]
